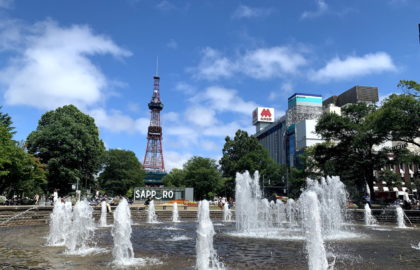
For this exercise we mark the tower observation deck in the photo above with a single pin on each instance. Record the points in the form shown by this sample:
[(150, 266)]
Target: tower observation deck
[(153, 159)]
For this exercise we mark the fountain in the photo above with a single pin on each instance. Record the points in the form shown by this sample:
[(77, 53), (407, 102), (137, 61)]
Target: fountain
[(370, 220), (151, 214), (257, 217), (400, 217), (175, 215), (280, 213), (206, 255), (82, 230), (121, 232), (312, 224), (103, 214), (57, 234), (227, 214), (332, 197), (248, 201), (291, 212)]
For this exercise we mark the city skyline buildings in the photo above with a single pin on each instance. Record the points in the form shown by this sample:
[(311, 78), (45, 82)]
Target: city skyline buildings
[(219, 59)]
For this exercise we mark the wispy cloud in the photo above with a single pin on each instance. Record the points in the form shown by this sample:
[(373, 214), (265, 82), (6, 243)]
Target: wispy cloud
[(285, 88), (7, 4), (321, 9), (354, 66), (250, 12), (262, 63), (165, 5), (172, 44)]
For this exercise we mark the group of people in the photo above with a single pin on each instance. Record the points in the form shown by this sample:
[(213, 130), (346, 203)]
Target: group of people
[(221, 201)]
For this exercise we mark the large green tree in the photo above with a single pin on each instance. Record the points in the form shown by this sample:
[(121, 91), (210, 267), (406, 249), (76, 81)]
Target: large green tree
[(122, 171), (68, 142), (350, 150), (203, 175), (20, 172), (245, 153)]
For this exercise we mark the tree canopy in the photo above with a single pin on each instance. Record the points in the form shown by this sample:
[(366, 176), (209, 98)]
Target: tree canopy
[(67, 141), (399, 119), (349, 152), (245, 153), (175, 178), (200, 173), (122, 171), (20, 172)]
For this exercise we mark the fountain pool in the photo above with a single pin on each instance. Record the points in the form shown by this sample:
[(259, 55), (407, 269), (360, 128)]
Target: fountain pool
[(390, 249)]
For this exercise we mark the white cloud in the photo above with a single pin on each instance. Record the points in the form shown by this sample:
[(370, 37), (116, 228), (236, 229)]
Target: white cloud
[(271, 62), (115, 121), (209, 145), (250, 12), (353, 66), (185, 88), (54, 69), (170, 117), (322, 8), (214, 66), (175, 160), (224, 100), (262, 63), (200, 116)]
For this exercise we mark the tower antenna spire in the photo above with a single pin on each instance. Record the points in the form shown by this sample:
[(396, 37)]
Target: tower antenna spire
[(157, 66)]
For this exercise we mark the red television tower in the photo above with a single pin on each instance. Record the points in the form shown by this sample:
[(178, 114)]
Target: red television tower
[(153, 159)]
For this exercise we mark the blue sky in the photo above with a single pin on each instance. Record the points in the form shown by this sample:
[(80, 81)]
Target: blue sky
[(218, 60)]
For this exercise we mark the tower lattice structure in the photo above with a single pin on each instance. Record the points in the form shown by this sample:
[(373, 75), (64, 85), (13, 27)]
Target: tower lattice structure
[(153, 159)]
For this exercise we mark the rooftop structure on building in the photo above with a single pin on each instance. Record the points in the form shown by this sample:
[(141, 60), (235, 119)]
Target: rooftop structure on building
[(303, 106), (354, 95)]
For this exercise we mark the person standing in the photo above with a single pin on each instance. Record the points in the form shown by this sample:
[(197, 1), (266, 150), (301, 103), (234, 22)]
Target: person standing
[(36, 197)]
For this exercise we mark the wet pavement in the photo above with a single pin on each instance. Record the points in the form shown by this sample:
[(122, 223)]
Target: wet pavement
[(380, 247)]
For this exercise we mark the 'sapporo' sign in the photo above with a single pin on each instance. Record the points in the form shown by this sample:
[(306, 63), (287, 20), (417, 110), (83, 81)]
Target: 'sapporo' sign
[(163, 194)]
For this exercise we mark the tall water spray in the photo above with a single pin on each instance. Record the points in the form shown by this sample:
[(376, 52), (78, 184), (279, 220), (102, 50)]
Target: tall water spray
[(82, 229), (400, 217), (227, 214), (291, 210), (248, 202), (103, 214), (312, 224), (332, 198), (280, 213), (369, 218), (175, 214), (151, 213), (121, 232), (56, 236), (206, 255)]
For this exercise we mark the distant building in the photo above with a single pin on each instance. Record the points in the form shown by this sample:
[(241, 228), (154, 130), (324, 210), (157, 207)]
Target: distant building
[(272, 137), (355, 94), (286, 138)]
